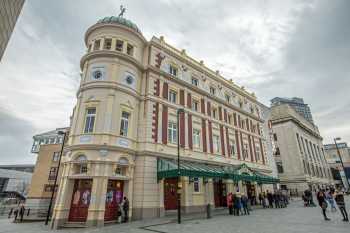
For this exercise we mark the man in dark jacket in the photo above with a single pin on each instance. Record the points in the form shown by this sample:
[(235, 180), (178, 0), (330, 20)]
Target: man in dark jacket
[(125, 205), (244, 200), (323, 203), (339, 199), (270, 199)]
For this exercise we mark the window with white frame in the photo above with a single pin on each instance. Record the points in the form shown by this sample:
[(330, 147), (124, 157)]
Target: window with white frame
[(196, 138), (172, 132), (56, 156), (257, 152), (196, 185), (172, 96), (245, 151), (83, 168), (97, 44), (90, 120), (215, 113), (130, 49), (119, 45), (232, 148), (195, 105), (173, 70), (216, 141), (227, 98), (195, 82), (107, 44), (124, 123), (212, 90)]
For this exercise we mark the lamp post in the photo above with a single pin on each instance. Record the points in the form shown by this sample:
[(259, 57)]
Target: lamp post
[(56, 175), (341, 160), (178, 189)]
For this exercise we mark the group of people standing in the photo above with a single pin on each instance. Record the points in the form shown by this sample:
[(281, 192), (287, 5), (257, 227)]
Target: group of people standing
[(330, 197), (278, 199), (240, 204)]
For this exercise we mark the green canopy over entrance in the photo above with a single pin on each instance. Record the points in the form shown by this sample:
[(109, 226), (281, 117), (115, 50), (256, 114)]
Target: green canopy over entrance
[(167, 168)]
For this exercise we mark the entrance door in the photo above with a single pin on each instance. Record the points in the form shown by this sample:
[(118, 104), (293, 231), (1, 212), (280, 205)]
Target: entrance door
[(170, 197), (251, 193), (219, 193), (114, 197), (80, 201)]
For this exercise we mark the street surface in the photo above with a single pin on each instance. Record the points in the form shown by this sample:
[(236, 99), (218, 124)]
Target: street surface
[(293, 219)]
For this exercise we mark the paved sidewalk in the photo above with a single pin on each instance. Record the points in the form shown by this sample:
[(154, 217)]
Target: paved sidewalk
[(293, 219)]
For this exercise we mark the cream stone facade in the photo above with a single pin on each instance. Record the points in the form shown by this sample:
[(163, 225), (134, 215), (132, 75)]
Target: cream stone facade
[(299, 154), (123, 136), (47, 146)]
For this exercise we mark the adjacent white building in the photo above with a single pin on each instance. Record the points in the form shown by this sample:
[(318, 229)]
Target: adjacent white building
[(299, 152)]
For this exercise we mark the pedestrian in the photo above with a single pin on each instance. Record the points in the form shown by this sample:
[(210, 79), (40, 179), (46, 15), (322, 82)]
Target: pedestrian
[(322, 203), (230, 203), (15, 213), (119, 214), (10, 213), (234, 201), (264, 200), (244, 200), (125, 205), (237, 204), (339, 199), (270, 199), (21, 212), (330, 200), (260, 198)]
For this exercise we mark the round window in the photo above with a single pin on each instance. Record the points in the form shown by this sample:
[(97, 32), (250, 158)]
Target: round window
[(129, 79), (97, 74)]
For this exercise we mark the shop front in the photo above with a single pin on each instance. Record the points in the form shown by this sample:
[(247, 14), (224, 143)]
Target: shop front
[(202, 184), (80, 200)]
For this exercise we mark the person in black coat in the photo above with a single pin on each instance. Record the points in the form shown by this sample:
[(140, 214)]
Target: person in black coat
[(322, 203)]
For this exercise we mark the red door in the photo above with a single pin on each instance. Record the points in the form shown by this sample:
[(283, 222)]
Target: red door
[(170, 196), (219, 193), (80, 201), (114, 197)]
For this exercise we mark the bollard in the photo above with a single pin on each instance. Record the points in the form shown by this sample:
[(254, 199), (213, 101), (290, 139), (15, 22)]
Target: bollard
[(208, 211)]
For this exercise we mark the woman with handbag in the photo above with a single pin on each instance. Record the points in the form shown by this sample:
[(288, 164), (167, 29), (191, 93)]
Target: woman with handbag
[(323, 203)]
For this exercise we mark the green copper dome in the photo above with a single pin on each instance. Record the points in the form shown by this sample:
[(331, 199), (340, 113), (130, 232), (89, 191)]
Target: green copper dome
[(120, 20)]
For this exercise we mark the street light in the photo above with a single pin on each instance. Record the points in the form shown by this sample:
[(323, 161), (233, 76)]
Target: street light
[(341, 160), (180, 110), (56, 175)]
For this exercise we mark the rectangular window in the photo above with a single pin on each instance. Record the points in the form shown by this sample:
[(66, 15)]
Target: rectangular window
[(275, 137), (232, 148), (130, 50), (227, 98), (97, 44), (229, 118), (52, 173), (279, 167), (216, 141), (196, 185), (214, 113), (83, 168), (119, 45), (172, 96), (124, 124), (90, 120), (173, 70), (195, 82), (212, 90), (196, 138), (108, 44), (172, 132), (245, 151), (257, 152), (56, 156), (49, 188), (195, 105)]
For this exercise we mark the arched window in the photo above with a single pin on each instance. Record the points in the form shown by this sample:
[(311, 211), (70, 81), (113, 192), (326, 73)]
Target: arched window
[(83, 164)]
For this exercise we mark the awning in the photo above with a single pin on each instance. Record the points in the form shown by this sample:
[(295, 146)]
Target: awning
[(167, 168)]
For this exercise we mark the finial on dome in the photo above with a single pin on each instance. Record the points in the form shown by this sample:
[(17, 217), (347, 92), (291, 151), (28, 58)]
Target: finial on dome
[(122, 11)]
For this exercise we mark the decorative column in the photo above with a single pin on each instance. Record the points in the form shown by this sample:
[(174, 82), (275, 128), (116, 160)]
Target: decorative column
[(209, 191), (161, 198)]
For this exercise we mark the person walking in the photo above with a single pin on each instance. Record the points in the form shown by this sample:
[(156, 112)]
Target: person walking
[(245, 200), (264, 200), (230, 203), (322, 203), (125, 206), (260, 198), (339, 199), (330, 200), (21, 212)]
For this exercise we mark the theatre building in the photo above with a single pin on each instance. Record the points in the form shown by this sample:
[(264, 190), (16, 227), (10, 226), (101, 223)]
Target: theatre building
[(123, 133)]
